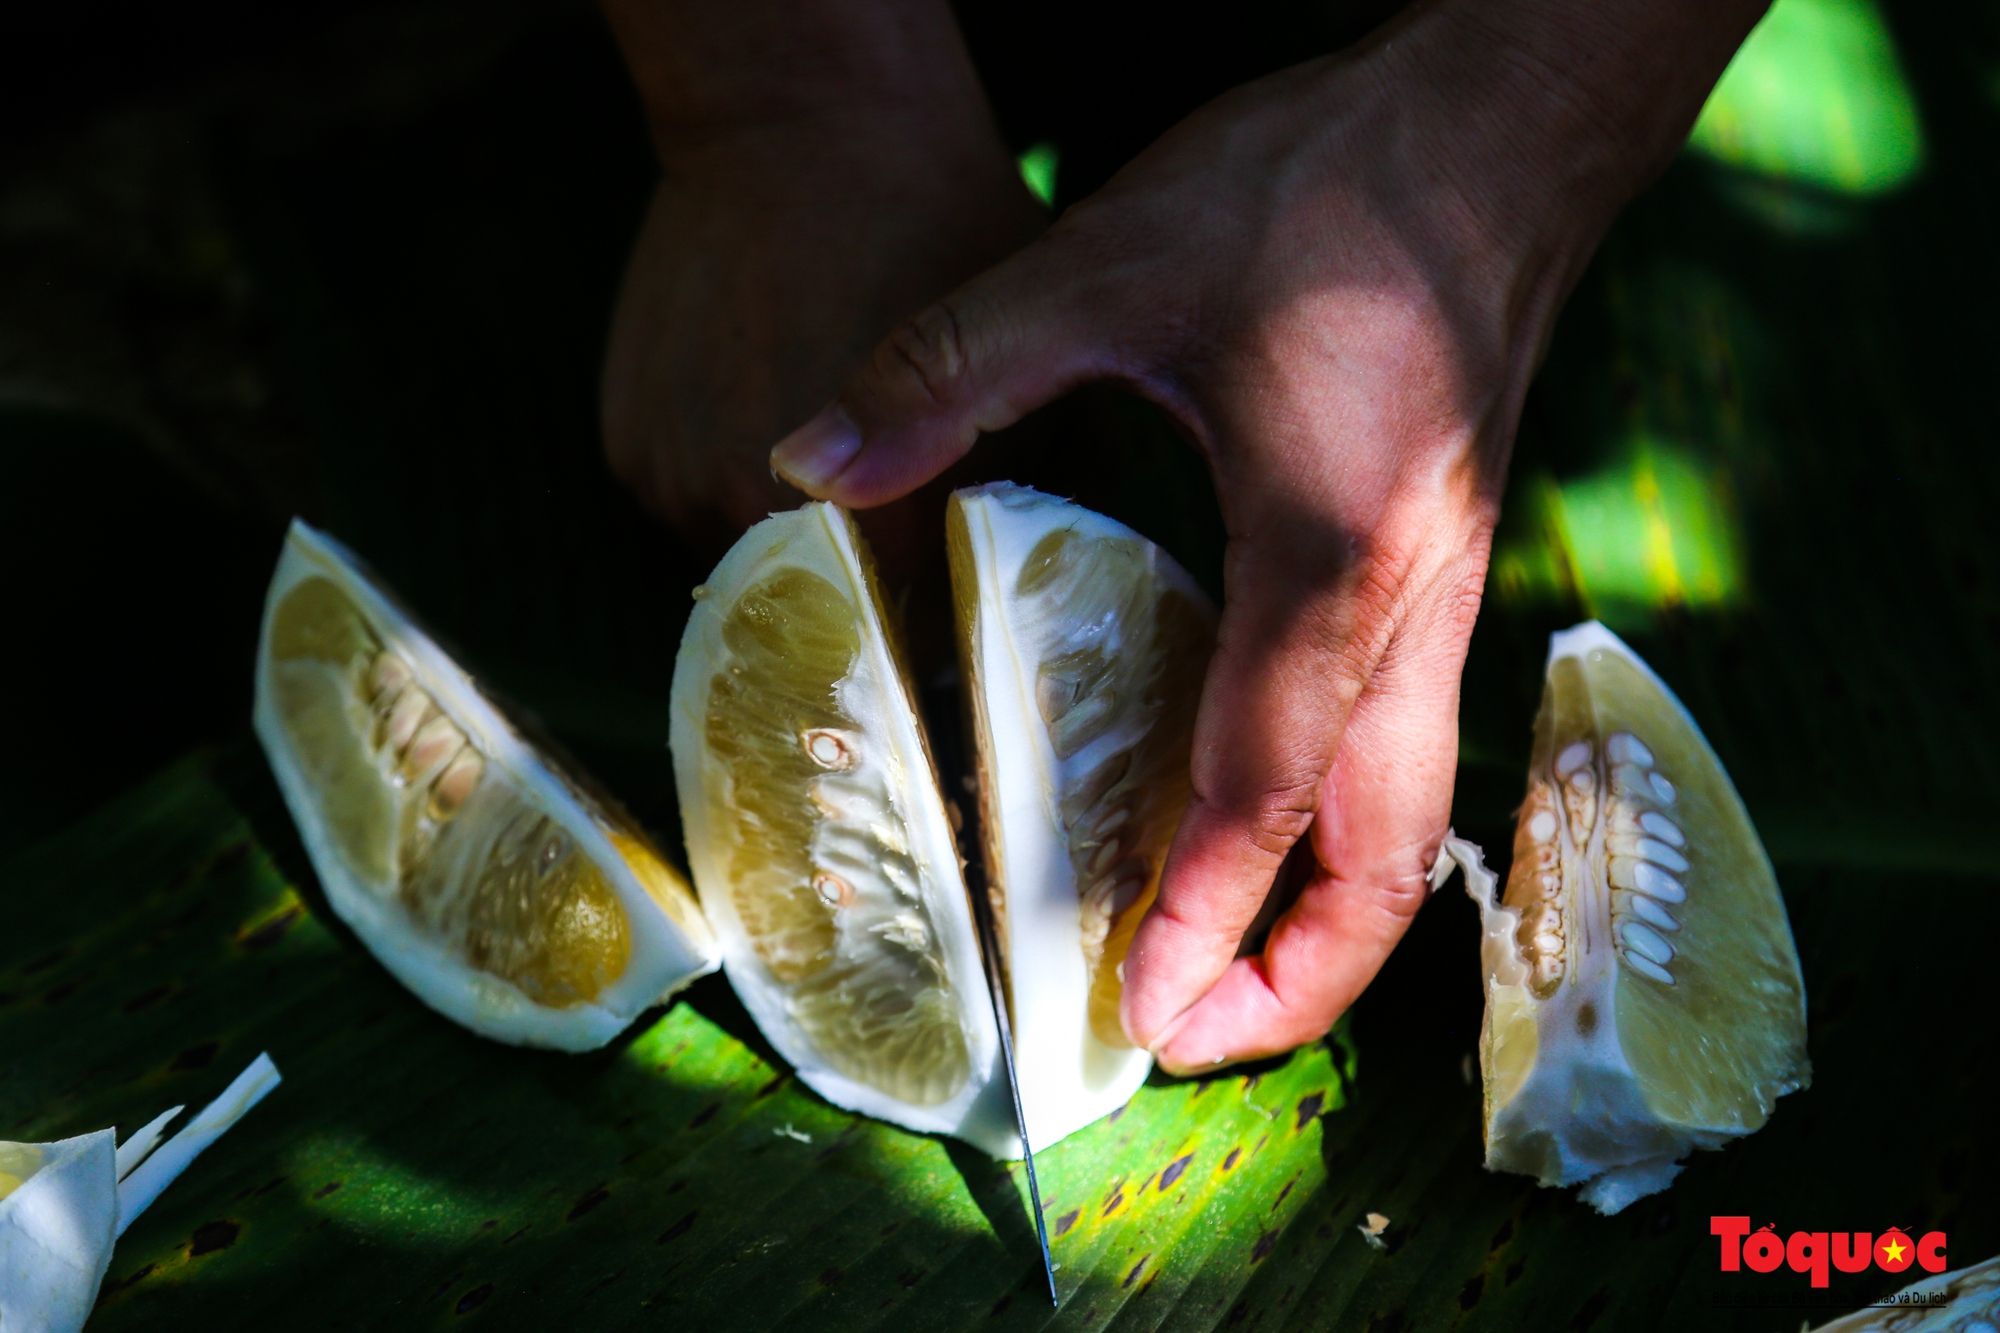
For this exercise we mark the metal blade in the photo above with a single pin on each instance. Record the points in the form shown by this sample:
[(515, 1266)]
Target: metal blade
[(982, 912)]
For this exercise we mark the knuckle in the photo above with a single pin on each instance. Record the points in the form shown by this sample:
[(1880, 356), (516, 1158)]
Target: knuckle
[(1272, 820), (929, 350)]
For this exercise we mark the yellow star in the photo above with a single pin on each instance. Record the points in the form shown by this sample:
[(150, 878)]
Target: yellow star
[(1894, 1248)]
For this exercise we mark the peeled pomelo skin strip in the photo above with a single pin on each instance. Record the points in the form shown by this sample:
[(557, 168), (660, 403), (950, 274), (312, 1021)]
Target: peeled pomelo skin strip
[(58, 1223), (139, 1186), (488, 881)]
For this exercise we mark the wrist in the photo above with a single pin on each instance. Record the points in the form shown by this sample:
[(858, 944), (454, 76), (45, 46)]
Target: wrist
[(1588, 99), (807, 81)]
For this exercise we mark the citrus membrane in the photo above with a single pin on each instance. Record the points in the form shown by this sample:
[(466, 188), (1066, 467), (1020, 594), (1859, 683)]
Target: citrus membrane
[(1082, 649), (64, 1204), (1643, 995), (487, 880), (822, 847)]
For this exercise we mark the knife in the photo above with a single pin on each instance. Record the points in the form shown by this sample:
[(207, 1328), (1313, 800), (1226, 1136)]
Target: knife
[(989, 942)]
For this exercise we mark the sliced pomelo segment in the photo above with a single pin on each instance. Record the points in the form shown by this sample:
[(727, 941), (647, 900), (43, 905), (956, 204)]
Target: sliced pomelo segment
[(1643, 996), (819, 839), (1083, 648), (489, 882)]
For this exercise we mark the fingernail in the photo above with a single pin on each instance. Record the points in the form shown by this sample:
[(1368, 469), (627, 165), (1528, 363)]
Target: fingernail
[(812, 456)]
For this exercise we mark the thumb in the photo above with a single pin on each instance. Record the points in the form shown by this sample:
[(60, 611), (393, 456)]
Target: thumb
[(999, 347)]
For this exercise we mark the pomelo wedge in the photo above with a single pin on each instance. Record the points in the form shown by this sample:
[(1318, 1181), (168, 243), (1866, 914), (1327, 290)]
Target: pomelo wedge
[(499, 888), (1643, 995), (820, 842), (1082, 648)]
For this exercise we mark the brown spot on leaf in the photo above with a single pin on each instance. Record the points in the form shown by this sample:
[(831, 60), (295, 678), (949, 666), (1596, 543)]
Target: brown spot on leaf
[(1586, 1019), (1474, 1288), (45, 962), (597, 1194), (1283, 1192), (473, 1299), (777, 1081), (1229, 1162), (678, 1229), (1309, 1108), (212, 1236), (195, 1057), (1262, 1249), (191, 914), (326, 1189), (1175, 1169), (909, 1277), (1066, 1221), (1587, 1313), (1391, 1322), (703, 1116), (1137, 1268), (1111, 1204), (831, 1277), (1514, 1271), (268, 933), (146, 999), (231, 858), (445, 1286)]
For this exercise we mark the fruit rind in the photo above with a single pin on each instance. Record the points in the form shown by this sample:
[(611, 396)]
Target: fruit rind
[(665, 953), (820, 540), (56, 1234)]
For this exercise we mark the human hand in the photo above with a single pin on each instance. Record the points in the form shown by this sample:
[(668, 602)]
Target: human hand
[(829, 167), (1339, 281)]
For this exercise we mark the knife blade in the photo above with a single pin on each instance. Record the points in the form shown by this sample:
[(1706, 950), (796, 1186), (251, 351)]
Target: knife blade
[(982, 911)]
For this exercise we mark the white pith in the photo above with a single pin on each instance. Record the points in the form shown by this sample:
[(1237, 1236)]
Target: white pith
[(882, 794), (58, 1226), (664, 955), (1069, 1078), (1581, 1115), (56, 1232)]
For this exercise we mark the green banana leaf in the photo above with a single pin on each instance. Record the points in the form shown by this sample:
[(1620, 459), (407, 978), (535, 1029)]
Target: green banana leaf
[(407, 1174)]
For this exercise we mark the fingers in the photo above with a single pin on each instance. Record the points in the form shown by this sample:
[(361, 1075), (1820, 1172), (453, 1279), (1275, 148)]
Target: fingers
[(1006, 343), (1287, 668), (1378, 808), (1384, 808)]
